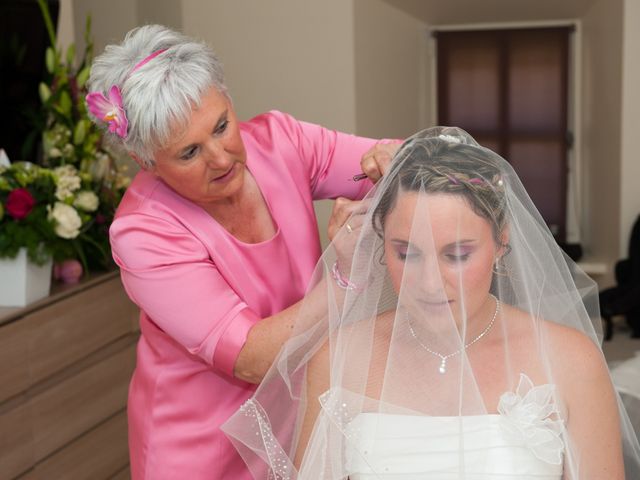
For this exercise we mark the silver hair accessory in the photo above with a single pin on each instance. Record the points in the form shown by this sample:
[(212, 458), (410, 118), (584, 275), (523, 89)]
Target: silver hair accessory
[(443, 363), (449, 138)]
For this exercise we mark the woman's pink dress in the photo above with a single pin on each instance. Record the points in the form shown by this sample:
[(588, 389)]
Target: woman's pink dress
[(200, 290)]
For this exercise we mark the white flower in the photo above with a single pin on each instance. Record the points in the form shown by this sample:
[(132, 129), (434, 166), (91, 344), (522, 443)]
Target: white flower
[(67, 181), (55, 153), (534, 420), (67, 220), (87, 200), (67, 150)]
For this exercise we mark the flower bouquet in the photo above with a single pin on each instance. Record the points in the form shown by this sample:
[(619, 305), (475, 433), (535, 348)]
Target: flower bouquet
[(57, 213), (62, 208)]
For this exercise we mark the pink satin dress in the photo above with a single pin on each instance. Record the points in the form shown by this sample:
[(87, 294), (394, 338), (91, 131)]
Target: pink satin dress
[(200, 290)]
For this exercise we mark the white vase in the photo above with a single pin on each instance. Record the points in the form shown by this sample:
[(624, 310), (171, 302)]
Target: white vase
[(22, 281)]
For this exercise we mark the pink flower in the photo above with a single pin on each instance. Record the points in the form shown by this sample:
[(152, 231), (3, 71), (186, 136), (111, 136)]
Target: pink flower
[(109, 110), (20, 203)]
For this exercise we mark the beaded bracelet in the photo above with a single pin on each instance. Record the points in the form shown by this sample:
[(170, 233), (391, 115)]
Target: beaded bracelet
[(341, 281)]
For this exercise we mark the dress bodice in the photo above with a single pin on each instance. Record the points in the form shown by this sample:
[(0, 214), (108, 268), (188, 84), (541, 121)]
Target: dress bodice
[(522, 441), (409, 447)]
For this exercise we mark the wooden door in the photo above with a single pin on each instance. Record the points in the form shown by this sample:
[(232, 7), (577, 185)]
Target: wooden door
[(509, 90)]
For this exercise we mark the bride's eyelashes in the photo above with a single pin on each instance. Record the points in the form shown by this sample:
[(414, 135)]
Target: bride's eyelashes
[(459, 256), (407, 255)]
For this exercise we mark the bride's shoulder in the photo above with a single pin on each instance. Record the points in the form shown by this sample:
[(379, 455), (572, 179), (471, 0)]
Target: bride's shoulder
[(565, 343)]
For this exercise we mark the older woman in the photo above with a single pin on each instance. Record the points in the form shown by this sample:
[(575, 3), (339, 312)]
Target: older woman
[(216, 240)]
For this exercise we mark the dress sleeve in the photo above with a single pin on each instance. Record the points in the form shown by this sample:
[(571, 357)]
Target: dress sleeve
[(332, 158), (168, 273)]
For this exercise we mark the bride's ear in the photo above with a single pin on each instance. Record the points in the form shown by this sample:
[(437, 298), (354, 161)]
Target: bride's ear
[(504, 247)]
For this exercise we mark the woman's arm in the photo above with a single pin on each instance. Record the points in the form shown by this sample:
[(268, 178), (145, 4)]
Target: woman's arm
[(265, 339)]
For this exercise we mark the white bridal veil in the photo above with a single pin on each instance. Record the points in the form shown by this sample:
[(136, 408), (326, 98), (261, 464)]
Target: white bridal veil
[(444, 336)]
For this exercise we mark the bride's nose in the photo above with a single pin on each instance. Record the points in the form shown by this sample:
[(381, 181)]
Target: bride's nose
[(431, 281)]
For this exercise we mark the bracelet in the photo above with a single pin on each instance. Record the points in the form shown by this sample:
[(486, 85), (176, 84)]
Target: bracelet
[(341, 281)]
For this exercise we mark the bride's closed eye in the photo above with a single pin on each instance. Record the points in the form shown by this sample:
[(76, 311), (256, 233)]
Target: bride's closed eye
[(458, 253), (408, 256)]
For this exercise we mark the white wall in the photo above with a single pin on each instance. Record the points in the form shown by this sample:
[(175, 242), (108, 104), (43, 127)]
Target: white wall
[(601, 123), (113, 19), (630, 154), (390, 60), (164, 12), (66, 27), (109, 21), (290, 55)]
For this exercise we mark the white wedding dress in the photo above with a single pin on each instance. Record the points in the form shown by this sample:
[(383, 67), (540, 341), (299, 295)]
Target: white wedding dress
[(523, 441), (411, 448)]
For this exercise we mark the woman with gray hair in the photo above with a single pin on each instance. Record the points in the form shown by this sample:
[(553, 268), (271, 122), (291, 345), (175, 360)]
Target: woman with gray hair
[(216, 239)]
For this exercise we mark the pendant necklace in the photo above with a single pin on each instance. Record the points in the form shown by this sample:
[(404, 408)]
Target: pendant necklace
[(443, 358)]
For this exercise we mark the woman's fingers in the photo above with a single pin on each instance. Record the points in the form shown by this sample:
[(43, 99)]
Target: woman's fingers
[(374, 163), (347, 214)]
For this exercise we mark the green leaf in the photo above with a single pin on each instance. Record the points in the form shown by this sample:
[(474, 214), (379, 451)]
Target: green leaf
[(71, 54), (78, 135), (50, 59), (83, 76), (44, 8), (45, 92), (65, 103)]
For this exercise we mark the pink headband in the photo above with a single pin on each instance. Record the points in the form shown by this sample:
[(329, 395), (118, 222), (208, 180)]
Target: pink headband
[(146, 59), (110, 110)]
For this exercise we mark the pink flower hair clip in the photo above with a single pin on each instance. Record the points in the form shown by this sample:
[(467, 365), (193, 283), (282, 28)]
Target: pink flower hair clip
[(109, 110)]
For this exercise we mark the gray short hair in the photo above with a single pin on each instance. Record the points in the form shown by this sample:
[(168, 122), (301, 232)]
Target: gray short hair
[(158, 97)]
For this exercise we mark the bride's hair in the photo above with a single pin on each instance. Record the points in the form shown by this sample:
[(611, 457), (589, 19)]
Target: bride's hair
[(428, 166)]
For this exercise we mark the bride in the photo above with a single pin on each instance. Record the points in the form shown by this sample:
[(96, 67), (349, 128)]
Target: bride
[(456, 342)]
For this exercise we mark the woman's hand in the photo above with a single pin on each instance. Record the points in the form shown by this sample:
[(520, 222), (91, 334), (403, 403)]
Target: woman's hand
[(375, 162), (343, 209), (344, 229)]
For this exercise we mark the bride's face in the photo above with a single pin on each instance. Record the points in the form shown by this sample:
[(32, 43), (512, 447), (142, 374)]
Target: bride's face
[(440, 255)]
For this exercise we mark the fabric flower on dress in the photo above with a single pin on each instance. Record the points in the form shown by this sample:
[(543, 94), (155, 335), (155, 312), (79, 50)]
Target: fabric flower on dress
[(533, 418), (109, 110)]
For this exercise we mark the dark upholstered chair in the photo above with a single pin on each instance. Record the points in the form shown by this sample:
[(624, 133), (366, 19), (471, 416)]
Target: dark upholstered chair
[(624, 298)]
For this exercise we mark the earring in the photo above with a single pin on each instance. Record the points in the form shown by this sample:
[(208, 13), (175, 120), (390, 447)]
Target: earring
[(499, 268)]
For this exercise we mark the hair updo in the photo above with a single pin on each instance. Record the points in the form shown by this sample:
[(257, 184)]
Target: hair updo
[(451, 164)]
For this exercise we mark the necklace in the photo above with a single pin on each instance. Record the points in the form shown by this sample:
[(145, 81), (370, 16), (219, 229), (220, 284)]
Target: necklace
[(443, 358)]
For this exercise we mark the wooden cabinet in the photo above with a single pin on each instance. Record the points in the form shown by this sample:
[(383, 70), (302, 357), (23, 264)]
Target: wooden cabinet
[(65, 366)]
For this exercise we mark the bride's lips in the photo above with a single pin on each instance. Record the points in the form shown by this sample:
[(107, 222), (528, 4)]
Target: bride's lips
[(435, 303)]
